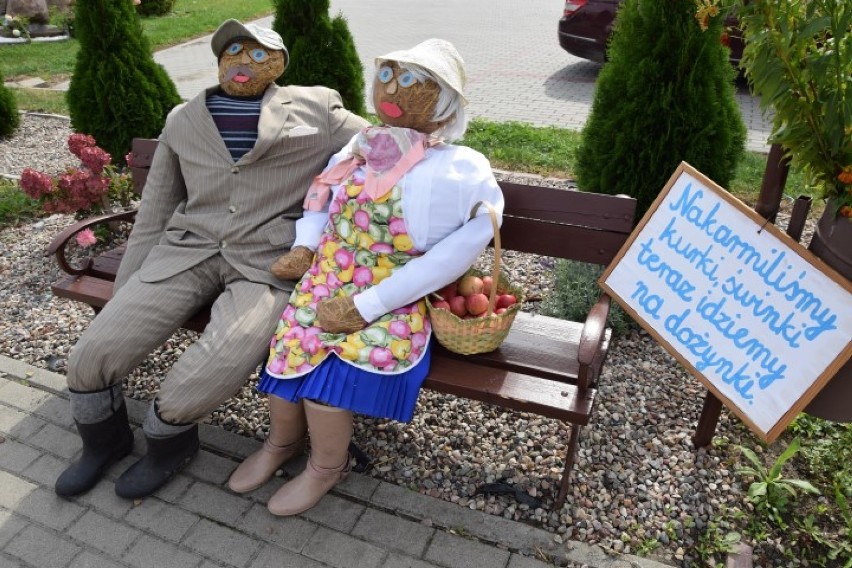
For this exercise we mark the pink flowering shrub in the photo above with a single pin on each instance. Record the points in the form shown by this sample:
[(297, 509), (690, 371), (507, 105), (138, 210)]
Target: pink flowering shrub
[(90, 189)]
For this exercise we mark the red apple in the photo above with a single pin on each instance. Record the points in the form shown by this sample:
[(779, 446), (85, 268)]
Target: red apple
[(477, 304), (470, 285), (500, 311), (506, 300), (487, 282), (441, 305), (449, 291), (457, 306)]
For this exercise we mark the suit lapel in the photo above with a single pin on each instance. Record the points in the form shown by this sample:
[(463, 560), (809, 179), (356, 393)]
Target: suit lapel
[(200, 118), (273, 114)]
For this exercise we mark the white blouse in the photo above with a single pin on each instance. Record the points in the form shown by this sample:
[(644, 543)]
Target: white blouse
[(438, 194)]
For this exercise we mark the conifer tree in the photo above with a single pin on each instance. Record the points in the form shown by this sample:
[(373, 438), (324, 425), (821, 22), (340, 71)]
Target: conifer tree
[(322, 51), (666, 95), (9, 118), (117, 91)]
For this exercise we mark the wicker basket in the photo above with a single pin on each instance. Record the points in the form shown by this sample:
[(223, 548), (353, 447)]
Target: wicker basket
[(485, 333)]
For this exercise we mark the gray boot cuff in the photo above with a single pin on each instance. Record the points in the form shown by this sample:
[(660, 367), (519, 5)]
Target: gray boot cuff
[(155, 427), (95, 406)]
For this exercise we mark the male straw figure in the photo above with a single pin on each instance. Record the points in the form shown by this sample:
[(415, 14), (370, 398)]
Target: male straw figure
[(226, 185)]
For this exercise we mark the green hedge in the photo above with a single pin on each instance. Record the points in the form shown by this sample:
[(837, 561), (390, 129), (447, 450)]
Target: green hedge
[(117, 91), (155, 7), (665, 96), (322, 51), (9, 117)]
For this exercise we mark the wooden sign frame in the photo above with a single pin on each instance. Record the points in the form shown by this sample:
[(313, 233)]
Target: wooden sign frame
[(770, 433)]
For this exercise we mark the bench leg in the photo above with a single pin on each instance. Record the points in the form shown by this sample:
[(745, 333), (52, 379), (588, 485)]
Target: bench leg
[(570, 454)]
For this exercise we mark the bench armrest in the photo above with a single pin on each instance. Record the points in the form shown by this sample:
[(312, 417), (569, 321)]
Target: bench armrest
[(591, 339), (57, 245)]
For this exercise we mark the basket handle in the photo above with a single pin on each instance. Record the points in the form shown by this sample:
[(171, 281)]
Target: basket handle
[(495, 269)]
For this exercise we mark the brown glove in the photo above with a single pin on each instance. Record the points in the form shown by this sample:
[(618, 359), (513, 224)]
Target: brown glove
[(339, 315), (294, 264)]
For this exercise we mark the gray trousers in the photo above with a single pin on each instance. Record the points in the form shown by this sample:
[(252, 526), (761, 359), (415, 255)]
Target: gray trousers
[(143, 315)]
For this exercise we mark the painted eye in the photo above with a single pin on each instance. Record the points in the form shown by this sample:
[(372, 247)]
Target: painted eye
[(385, 74), (259, 55), (234, 48), (406, 79)]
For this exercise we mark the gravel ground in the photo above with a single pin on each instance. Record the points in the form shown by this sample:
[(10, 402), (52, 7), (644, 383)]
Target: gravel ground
[(637, 481)]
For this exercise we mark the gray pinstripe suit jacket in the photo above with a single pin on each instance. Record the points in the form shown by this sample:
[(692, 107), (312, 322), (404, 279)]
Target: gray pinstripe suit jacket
[(198, 202)]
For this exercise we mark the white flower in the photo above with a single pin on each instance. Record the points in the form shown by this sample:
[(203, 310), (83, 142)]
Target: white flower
[(16, 33)]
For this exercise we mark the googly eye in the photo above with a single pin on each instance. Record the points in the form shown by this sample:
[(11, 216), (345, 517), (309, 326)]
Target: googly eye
[(385, 74), (406, 79), (234, 48), (259, 55)]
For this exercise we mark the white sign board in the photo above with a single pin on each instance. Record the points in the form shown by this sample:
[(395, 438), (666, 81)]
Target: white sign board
[(761, 321)]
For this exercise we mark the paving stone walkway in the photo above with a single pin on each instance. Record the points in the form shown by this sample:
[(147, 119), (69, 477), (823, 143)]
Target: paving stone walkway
[(196, 522)]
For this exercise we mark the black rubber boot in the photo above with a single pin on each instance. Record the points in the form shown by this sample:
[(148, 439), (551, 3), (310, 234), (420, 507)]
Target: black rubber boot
[(165, 458), (104, 443)]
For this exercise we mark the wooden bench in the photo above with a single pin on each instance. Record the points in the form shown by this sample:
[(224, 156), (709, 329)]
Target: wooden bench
[(546, 366)]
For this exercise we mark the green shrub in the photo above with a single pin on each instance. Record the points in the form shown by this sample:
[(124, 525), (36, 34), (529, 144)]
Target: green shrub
[(665, 96), (15, 206), (9, 118), (575, 291), (117, 91), (322, 51), (155, 7)]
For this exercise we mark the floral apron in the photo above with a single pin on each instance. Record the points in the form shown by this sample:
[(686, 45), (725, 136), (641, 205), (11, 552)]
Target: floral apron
[(364, 243)]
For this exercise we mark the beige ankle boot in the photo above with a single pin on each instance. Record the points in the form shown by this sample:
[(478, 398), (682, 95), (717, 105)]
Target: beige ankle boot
[(287, 425), (331, 431)]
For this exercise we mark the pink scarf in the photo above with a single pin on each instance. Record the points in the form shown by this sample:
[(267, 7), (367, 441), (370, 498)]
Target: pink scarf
[(388, 153)]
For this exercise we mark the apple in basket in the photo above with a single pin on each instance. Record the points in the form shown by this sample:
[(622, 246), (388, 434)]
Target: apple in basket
[(468, 298)]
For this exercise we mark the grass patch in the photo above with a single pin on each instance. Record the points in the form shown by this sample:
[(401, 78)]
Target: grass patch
[(551, 151), (41, 100), (15, 206), (54, 61), (516, 146), (749, 175), (193, 18)]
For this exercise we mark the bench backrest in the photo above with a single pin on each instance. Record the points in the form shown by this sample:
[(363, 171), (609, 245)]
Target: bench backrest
[(562, 223)]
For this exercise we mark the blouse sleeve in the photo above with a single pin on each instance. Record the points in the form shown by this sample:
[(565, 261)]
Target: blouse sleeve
[(309, 229), (310, 226), (455, 189)]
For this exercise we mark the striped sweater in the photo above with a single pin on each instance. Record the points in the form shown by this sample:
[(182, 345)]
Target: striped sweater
[(236, 118)]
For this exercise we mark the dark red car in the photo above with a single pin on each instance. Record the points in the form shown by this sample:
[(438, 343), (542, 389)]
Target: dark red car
[(586, 25)]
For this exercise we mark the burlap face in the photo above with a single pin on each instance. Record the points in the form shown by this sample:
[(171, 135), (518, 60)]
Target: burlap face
[(407, 107), (241, 76)]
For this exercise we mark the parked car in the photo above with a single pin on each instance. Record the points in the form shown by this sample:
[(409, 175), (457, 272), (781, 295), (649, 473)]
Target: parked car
[(586, 25)]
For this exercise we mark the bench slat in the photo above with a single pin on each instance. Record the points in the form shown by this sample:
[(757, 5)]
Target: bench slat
[(571, 207), (87, 289), (539, 345), (561, 241), (106, 265), (508, 389)]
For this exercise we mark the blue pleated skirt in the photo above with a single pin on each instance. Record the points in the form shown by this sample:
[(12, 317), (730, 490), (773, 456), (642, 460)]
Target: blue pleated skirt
[(337, 383)]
